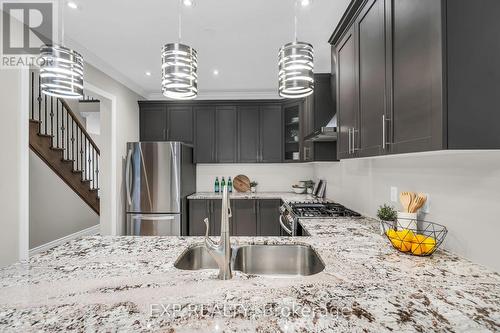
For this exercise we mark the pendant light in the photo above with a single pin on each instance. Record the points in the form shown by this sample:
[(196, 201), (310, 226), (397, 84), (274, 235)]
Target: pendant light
[(61, 69), (179, 64), (295, 67)]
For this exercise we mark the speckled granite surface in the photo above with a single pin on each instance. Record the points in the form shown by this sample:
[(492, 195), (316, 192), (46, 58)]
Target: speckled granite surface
[(127, 284), (290, 196)]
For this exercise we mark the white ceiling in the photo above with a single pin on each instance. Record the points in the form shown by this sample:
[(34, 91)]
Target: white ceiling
[(240, 38)]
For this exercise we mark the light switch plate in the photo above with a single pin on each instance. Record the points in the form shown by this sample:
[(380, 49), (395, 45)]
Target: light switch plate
[(427, 206), (394, 194)]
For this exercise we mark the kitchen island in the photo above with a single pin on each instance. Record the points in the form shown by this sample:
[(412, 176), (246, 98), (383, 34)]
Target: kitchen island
[(130, 284)]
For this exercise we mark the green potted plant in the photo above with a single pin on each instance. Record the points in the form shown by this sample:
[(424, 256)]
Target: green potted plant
[(387, 213), (253, 185)]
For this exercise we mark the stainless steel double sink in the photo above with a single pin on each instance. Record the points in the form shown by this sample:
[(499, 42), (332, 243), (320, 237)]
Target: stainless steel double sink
[(277, 260)]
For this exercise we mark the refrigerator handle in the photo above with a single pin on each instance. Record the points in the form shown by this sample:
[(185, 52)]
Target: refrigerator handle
[(127, 176)]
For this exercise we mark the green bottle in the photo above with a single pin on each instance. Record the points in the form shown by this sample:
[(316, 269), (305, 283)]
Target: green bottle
[(222, 184), (216, 184), (229, 185)]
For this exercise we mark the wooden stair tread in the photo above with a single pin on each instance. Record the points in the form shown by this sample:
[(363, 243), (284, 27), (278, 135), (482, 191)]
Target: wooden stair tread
[(41, 144)]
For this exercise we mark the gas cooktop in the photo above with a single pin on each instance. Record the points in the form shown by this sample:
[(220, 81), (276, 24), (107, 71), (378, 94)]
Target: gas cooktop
[(321, 209)]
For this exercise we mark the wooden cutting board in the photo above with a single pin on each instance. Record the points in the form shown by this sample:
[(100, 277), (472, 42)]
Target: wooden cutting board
[(241, 183)]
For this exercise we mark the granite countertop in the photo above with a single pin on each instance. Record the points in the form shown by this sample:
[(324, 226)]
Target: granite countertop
[(285, 196), (129, 284)]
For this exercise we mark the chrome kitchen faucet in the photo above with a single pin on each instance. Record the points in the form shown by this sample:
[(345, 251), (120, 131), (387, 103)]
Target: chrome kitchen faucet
[(221, 252)]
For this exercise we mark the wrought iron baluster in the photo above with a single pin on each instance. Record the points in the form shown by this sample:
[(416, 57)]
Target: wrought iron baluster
[(67, 134), (57, 123), (86, 166), (78, 150), (33, 95), (82, 158), (45, 112), (52, 120), (73, 142), (97, 172), (62, 127), (39, 106)]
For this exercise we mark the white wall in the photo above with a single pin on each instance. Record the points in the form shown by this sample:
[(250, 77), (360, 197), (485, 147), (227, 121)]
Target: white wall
[(271, 177), (12, 178), (126, 129), (463, 188), (55, 209)]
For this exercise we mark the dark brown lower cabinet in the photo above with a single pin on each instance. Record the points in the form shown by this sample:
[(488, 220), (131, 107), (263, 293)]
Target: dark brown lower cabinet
[(268, 216), (250, 217), (244, 219), (198, 211)]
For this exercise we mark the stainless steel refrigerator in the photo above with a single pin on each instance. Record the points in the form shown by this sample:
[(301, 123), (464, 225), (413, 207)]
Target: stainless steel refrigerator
[(158, 177)]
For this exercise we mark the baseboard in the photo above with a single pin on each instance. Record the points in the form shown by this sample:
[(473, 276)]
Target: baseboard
[(85, 232)]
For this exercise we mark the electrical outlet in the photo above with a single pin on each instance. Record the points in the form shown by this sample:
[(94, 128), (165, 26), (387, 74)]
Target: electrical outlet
[(427, 206), (394, 194)]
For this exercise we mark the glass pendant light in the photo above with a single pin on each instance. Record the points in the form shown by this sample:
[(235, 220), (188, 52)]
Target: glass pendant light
[(61, 69), (295, 68), (179, 69)]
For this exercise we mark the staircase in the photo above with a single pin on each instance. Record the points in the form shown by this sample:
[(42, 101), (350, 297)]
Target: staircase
[(59, 138)]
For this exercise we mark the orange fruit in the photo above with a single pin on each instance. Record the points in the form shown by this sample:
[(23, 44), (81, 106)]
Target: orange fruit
[(402, 239), (422, 244)]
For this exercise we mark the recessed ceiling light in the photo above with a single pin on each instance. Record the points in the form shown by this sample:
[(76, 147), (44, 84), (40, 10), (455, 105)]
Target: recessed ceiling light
[(72, 5), (216, 72), (148, 73), (188, 3), (305, 3)]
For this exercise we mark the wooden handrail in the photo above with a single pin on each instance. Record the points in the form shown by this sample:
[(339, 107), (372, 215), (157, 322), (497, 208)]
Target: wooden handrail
[(80, 125)]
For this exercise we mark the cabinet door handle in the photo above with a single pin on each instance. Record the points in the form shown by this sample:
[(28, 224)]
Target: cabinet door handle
[(349, 140), (164, 134), (354, 130), (383, 132)]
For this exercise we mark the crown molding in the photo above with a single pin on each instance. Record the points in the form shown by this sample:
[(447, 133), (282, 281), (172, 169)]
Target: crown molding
[(104, 67), (226, 94)]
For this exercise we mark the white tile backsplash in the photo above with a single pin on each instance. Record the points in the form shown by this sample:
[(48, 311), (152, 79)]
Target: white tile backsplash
[(272, 177)]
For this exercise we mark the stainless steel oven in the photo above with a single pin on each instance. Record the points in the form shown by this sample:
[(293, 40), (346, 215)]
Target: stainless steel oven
[(287, 221)]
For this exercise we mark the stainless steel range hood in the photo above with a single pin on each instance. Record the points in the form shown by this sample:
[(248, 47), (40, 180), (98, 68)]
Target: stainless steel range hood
[(326, 133)]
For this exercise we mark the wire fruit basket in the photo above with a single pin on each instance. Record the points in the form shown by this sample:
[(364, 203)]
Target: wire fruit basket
[(416, 237)]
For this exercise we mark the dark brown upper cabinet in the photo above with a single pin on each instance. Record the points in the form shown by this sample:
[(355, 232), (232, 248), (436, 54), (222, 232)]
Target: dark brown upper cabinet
[(346, 94), (153, 122), (204, 134), (248, 133), (271, 133), (260, 133), (426, 76), (180, 124), (368, 138), (159, 122), (226, 133)]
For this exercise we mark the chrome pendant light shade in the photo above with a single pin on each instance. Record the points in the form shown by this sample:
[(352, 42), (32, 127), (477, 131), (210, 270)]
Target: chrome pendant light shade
[(295, 70), (61, 72), (179, 71)]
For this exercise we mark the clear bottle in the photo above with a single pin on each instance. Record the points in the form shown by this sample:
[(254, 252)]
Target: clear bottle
[(216, 184), (222, 184), (229, 185)]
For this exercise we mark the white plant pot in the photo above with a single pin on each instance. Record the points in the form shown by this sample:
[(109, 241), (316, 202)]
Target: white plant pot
[(253, 189), (407, 220)]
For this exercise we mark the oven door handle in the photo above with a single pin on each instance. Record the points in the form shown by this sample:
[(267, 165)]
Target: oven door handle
[(283, 226)]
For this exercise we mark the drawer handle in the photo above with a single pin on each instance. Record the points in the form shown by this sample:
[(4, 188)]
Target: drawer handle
[(288, 231)]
